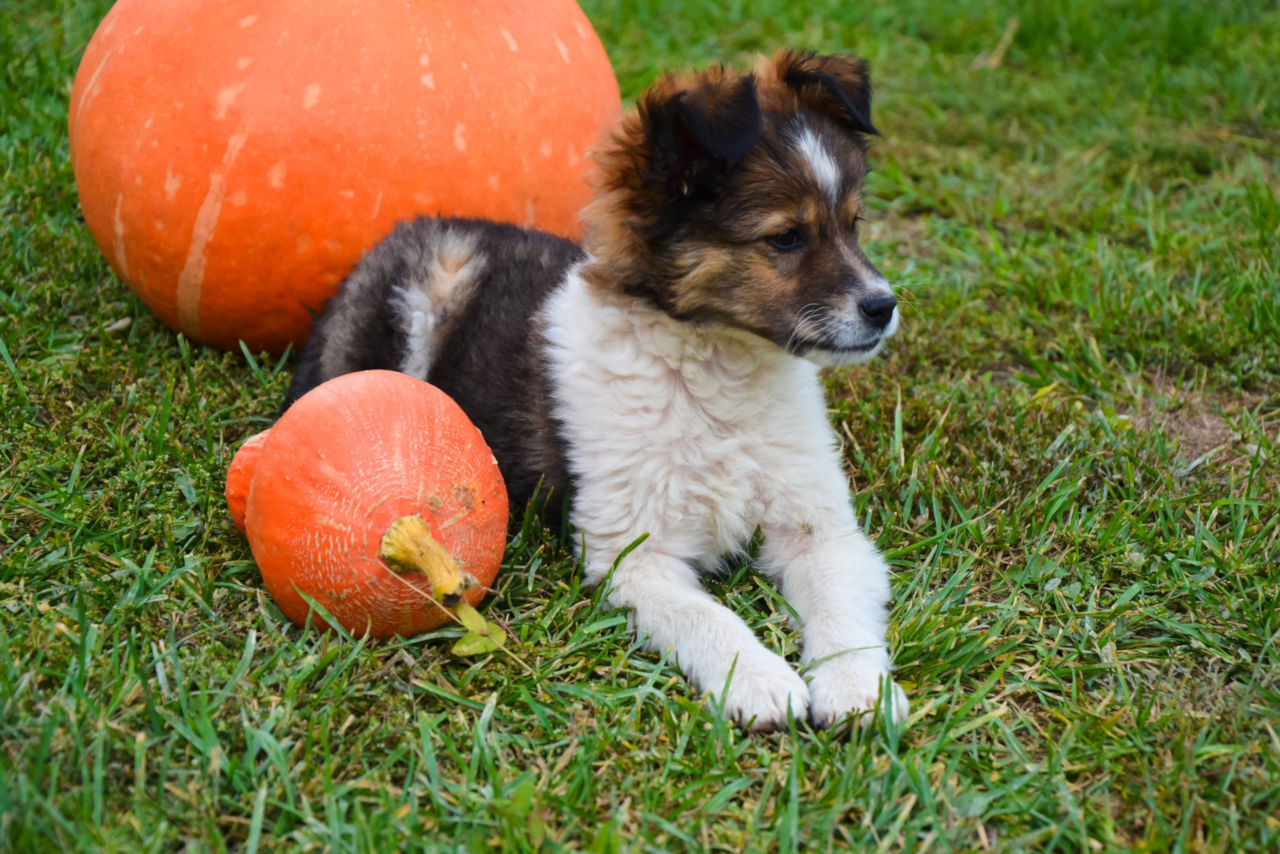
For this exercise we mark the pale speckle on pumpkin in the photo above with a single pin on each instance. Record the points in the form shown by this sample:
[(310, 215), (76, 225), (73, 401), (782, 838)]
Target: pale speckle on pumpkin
[(545, 148), (494, 180), (244, 62), (347, 194), (119, 231), (310, 95), (512, 45), (424, 60), (92, 88), (582, 32), (458, 139), (238, 198), (225, 99), (564, 51), (247, 21), (428, 80), (275, 175), (191, 279)]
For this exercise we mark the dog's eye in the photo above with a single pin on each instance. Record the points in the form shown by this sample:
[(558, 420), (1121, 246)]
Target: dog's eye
[(789, 240)]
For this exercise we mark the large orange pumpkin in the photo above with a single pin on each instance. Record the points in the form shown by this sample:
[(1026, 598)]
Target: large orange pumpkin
[(348, 464), (234, 158)]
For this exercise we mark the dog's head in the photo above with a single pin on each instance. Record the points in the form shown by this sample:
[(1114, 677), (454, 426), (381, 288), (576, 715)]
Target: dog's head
[(735, 199)]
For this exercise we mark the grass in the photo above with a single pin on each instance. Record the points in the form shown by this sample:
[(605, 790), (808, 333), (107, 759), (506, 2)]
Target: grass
[(1070, 456)]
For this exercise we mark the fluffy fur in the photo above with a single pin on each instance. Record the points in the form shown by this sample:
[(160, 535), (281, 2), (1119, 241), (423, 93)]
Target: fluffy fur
[(665, 376)]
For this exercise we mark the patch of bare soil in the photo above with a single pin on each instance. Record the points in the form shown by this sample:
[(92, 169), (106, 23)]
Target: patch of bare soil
[(1200, 422), (1197, 433)]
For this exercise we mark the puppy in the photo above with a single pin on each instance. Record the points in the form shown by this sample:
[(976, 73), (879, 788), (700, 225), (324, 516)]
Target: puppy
[(665, 374)]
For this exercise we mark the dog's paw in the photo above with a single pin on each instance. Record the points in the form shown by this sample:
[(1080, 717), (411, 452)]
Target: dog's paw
[(760, 691), (851, 684)]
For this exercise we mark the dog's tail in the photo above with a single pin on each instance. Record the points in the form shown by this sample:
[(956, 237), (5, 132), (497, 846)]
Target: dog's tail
[(396, 307)]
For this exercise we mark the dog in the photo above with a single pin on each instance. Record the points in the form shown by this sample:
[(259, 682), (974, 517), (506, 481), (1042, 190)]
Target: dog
[(665, 373)]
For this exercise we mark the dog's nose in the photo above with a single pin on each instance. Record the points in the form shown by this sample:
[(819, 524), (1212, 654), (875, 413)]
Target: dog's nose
[(878, 310)]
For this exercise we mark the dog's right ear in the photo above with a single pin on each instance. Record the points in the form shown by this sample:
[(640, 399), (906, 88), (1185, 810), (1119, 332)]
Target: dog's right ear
[(697, 134)]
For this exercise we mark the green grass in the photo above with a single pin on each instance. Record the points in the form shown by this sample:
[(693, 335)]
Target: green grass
[(1070, 455)]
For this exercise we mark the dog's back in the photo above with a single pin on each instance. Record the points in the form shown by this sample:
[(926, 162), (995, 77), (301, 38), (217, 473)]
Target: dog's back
[(456, 302)]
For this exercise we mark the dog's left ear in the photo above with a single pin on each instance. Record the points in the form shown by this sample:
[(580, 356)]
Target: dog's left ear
[(839, 86)]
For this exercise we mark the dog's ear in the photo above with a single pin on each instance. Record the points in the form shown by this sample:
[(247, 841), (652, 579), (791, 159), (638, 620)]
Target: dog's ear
[(839, 86), (699, 133)]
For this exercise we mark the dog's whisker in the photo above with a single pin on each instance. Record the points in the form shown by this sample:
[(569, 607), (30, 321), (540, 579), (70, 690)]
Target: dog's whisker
[(804, 318)]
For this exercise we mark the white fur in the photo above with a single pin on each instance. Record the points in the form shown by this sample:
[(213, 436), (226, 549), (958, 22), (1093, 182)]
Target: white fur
[(695, 435), (420, 325), (821, 163)]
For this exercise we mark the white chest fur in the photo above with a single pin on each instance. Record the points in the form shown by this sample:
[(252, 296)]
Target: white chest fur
[(679, 431)]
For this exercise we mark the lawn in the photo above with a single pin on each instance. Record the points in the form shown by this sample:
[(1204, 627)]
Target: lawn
[(1071, 456)]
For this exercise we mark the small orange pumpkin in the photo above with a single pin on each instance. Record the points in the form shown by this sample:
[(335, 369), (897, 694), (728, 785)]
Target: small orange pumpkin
[(360, 478), (235, 158)]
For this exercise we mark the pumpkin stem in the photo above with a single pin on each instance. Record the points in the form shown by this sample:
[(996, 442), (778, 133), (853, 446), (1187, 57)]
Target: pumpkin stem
[(408, 546)]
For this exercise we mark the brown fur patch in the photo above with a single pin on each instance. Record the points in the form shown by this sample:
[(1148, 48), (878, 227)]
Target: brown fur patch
[(851, 208)]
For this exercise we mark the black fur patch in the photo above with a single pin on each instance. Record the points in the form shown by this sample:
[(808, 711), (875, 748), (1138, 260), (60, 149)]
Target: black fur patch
[(700, 135)]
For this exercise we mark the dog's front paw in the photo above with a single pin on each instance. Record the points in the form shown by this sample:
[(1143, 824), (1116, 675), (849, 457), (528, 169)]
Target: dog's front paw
[(852, 683), (759, 692)]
